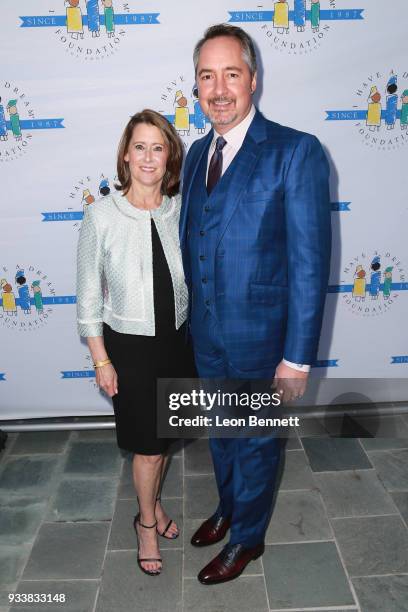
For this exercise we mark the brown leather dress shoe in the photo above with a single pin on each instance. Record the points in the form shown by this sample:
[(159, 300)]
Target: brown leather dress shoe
[(211, 531), (230, 563)]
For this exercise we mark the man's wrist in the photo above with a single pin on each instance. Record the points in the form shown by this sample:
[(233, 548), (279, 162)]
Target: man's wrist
[(300, 367)]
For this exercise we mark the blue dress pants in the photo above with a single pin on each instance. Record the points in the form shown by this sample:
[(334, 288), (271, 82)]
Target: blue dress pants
[(245, 468)]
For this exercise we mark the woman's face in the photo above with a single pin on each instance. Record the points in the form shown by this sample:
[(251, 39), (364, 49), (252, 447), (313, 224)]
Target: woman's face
[(147, 155)]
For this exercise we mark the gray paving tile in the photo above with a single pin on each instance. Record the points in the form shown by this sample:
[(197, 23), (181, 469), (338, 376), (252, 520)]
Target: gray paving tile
[(122, 535), (28, 475), (197, 457), (370, 444), (312, 427), (84, 499), (333, 454), (201, 496), (380, 593), (293, 442), (126, 488), (125, 587), (93, 458), (401, 501), (12, 561), (32, 442), (305, 576), (296, 472), (372, 545), (298, 516), (243, 594), (20, 519), (95, 434), (79, 595), (392, 468), (67, 551), (354, 493), (196, 558)]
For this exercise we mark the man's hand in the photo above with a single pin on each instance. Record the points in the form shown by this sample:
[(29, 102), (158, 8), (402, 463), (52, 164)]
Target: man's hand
[(107, 379), (289, 383)]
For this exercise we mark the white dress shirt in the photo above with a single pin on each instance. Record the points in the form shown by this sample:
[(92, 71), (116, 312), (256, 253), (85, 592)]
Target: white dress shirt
[(235, 137)]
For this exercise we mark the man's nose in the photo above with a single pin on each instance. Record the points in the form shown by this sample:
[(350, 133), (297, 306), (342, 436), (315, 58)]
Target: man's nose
[(220, 86)]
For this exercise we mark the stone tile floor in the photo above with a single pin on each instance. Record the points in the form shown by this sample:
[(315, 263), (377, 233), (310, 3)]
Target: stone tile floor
[(338, 538)]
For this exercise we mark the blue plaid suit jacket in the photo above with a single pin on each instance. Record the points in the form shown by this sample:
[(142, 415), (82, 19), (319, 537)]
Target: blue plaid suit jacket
[(271, 260)]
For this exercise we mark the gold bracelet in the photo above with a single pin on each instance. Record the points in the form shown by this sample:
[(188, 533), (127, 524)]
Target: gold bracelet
[(99, 364)]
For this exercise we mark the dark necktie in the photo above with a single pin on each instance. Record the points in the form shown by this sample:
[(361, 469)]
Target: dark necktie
[(215, 167)]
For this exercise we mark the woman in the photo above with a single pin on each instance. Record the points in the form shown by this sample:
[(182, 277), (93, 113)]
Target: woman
[(132, 303)]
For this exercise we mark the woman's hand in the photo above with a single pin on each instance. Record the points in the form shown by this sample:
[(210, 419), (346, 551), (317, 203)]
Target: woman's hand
[(107, 379)]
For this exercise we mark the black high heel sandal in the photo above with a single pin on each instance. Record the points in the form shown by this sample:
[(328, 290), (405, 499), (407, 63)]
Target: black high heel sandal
[(139, 560), (163, 533)]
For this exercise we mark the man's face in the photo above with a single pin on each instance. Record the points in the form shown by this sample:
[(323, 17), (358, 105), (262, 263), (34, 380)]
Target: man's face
[(224, 82)]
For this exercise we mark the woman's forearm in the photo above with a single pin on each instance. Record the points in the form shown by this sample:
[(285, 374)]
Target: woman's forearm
[(96, 346)]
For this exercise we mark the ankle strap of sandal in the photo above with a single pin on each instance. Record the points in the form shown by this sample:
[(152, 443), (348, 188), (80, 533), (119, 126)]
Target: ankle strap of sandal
[(147, 526)]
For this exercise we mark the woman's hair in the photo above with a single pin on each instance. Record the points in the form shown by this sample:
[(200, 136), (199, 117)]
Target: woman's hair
[(171, 180)]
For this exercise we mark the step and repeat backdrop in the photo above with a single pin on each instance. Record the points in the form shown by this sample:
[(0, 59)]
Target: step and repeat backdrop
[(72, 74)]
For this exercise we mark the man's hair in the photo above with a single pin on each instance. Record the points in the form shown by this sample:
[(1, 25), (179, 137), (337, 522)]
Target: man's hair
[(222, 29), (171, 180)]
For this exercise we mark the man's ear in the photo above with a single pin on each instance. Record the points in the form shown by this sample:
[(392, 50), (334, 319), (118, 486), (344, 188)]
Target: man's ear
[(253, 83)]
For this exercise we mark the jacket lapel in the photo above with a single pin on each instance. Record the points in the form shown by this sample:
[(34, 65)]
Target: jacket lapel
[(235, 180), (189, 176)]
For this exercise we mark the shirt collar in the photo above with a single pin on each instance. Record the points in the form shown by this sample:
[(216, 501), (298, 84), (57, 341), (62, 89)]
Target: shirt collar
[(235, 136)]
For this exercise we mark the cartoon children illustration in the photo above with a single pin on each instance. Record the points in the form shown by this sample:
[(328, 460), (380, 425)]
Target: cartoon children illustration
[(359, 286), (92, 10), (14, 119), (315, 15), (87, 198), (23, 292), (391, 103), (104, 188), (281, 16), (199, 117), (181, 114), (74, 19), (404, 110), (9, 301), (3, 123), (38, 302), (109, 17), (299, 15), (374, 110), (375, 278), (387, 282)]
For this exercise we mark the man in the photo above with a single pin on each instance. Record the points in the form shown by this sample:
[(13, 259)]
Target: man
[(255, 237)]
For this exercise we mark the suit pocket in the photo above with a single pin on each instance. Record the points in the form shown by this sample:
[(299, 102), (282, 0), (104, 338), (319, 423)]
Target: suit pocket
[(261, 196), (268, 294)]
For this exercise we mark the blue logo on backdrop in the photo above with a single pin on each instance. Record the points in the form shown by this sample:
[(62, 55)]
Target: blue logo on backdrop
[(87, 372), (340, 206), (183, 110), (90, 29), (399, 359), (380, 112), (297, 27), (372, 283), (28, 298), (84, 192), (2, 376), (18, 121), (326, 363)]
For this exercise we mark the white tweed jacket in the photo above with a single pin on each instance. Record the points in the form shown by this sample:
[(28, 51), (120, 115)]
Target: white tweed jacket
[(115, 268)]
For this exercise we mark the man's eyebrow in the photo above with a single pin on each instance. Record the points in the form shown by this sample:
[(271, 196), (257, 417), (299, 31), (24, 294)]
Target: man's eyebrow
[(236, 68)]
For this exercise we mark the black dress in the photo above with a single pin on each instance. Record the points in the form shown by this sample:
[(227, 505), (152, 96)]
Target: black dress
[(140, 360)]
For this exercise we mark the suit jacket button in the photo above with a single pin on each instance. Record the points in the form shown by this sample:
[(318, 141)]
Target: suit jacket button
[(202, 232), (207, 302)]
